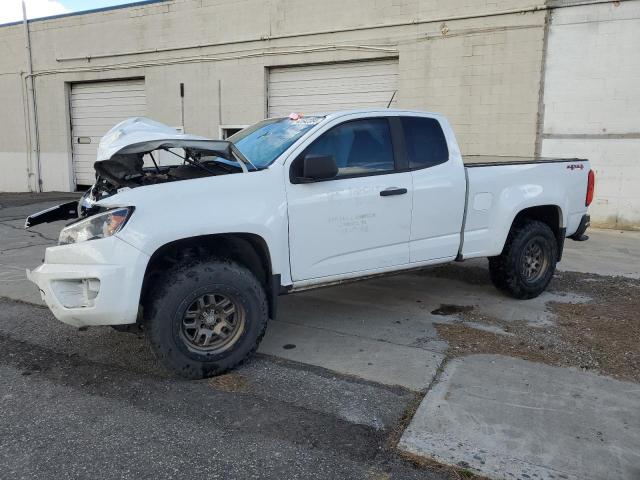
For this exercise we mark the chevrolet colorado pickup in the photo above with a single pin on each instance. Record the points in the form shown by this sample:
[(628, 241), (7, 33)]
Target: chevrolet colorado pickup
[(197, 251)]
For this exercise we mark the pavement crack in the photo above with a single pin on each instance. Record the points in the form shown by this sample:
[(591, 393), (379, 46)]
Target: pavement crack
[(411, 410), (23, 247), (381, 340), (23, 302), (21, 229)]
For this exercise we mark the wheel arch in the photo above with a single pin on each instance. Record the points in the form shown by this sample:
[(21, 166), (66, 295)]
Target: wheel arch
[(248, 249), (550, 214)]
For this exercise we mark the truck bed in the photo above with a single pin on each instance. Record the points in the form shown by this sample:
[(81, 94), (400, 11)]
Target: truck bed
[(511, 184), (494, 160)]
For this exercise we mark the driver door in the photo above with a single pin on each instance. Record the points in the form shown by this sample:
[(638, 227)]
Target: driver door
[(359, 220)]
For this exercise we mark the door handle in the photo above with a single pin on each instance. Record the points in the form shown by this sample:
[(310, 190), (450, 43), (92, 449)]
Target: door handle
[(393, 191)]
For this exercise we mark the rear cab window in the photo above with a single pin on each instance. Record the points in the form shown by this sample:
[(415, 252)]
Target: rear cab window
[(425, 142)]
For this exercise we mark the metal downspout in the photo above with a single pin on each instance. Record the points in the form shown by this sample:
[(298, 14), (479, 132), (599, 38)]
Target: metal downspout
[(34, 110)]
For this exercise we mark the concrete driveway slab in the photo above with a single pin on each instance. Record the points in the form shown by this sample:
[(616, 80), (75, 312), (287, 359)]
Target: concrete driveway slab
[(378, 361), (607, 252), (508, 418), (383, 329)]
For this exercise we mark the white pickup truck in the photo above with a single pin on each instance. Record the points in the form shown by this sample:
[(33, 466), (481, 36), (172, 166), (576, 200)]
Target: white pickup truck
[(197, 252)]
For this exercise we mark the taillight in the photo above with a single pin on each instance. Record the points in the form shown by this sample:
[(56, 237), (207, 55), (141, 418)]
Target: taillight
[(591, 183)]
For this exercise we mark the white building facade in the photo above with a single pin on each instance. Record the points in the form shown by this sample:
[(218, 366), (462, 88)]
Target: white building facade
[(515, 77)]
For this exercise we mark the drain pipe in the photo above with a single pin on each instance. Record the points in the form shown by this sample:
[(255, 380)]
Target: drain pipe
[(32, 104)]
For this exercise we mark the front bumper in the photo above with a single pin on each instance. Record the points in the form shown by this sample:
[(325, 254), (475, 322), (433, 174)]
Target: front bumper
[(92, 283)]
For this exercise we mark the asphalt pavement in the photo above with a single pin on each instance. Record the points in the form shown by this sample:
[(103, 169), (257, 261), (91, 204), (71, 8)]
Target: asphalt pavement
[(94, 404), (338, 378)]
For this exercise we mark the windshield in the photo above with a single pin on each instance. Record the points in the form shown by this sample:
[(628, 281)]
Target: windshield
[(265, 141)]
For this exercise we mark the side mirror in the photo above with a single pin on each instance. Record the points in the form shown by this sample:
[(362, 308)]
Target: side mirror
[(316, 167)]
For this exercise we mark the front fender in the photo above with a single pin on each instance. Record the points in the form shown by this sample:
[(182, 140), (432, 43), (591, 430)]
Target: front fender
[(251, 203)]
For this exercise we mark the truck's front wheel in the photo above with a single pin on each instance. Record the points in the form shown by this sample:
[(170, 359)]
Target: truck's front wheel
[(206, 318), (527, 262)]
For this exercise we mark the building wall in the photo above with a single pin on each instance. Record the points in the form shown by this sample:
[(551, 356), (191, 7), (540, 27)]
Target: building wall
[(456, 57), (484, 64), (13, 137), (592, 102)]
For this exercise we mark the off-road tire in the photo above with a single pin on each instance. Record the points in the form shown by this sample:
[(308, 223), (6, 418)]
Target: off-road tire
[(508, 271), (173, 294)]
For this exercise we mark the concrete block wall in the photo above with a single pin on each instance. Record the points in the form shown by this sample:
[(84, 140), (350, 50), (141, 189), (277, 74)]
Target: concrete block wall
[(14, 157), (592, 102), (456, 57), (485, 78)]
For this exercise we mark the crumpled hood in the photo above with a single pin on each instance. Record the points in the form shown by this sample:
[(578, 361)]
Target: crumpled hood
[(120, 165), (142, 135)]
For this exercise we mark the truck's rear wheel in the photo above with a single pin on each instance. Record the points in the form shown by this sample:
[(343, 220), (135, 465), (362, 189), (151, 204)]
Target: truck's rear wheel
[(527, 262), (207, 318)]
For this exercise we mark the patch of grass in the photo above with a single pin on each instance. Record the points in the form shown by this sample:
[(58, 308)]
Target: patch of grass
[(401, 425), (451, 471), (230, 383)]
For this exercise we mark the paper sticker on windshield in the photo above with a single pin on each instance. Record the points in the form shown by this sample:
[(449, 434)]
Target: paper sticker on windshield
[(301, 119)]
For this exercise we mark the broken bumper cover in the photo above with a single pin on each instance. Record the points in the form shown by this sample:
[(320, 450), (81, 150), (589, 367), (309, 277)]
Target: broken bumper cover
[(65, 211), (92, 283)]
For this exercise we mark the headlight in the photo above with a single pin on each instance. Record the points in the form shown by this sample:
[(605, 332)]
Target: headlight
[(97, 226)]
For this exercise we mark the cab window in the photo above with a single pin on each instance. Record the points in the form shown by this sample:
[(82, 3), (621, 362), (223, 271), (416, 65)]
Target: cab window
[(360, 147), (425, 142)]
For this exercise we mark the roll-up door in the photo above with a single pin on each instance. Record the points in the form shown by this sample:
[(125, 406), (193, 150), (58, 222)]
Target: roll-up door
[(332, 86), (95, 108)]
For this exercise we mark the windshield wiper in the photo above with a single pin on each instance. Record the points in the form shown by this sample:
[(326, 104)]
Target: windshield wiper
[(240, 158), (192, 161)]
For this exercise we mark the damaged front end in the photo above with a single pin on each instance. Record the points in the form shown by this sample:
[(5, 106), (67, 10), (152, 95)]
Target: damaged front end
[(126, 160), (65, 211)]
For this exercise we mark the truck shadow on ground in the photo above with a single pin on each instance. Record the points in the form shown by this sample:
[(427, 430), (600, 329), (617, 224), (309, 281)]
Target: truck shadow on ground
[(379, 328)]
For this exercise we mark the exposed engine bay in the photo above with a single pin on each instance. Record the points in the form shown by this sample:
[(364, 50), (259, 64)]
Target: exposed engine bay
[(121, 164), (128, 171)]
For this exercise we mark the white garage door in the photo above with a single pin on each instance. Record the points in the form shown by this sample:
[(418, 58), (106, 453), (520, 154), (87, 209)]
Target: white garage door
[(328, 87), (95, 108)]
